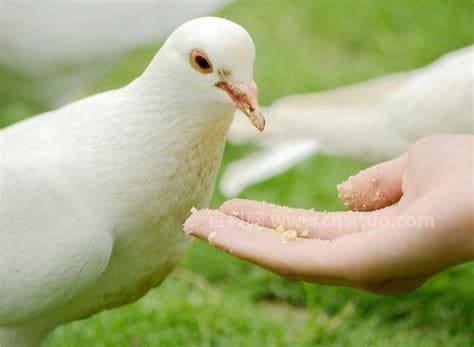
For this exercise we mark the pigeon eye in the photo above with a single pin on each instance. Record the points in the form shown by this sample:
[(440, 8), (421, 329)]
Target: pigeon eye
[(200, 62)]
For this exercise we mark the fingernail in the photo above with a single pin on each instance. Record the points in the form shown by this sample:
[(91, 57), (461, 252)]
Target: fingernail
[(187, 230), (212, 236), (188, 226), (345, 190)]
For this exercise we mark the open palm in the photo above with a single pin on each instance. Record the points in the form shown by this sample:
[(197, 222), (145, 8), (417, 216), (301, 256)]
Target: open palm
[(411, 218)]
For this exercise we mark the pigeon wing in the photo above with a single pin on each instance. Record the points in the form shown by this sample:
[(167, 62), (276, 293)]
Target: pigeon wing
[(51, 247)]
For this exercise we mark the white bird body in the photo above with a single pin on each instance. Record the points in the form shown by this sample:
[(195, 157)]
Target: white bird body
[(94, 194), (372, 121)]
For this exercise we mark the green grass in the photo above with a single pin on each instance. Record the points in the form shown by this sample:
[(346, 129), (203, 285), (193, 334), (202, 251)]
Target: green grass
[(216, 300)]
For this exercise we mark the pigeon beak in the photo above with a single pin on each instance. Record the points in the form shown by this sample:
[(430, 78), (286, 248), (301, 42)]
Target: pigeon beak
[(245, 97)]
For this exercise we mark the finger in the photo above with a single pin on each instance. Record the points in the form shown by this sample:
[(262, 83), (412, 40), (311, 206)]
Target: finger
[(374, 188), (206, 224), (295, 258), (307, 223)]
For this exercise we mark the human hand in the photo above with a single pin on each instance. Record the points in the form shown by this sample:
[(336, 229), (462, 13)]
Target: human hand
[(384, 248)]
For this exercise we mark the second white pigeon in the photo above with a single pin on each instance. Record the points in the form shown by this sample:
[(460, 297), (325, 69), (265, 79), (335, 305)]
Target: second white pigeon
[(371, 121)]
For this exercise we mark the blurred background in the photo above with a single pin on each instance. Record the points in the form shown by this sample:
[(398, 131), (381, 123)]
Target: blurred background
[(52, 52)]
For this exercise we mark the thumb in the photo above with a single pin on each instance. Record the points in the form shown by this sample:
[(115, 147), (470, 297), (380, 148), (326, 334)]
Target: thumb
[(374, 188)]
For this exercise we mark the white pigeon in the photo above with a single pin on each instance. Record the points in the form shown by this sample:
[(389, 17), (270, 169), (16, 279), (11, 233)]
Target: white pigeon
[(371, 121), (94, 194)]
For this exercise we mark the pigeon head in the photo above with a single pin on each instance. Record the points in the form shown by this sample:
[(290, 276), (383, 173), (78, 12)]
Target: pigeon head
[(210, 60)]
